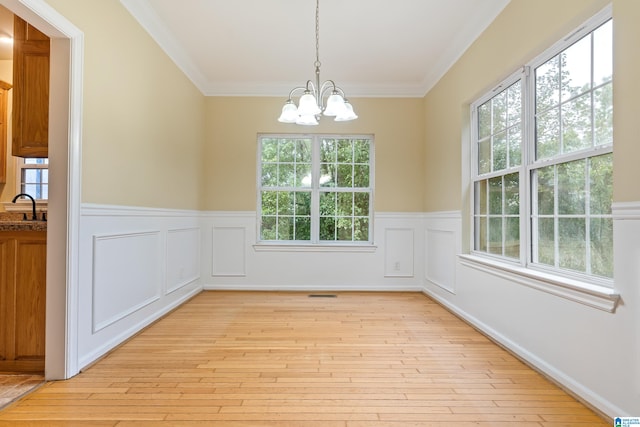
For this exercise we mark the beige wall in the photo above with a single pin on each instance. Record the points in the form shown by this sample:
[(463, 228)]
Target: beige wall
[(151, 139), (523, 30), (143, 120), (232, 128), (626, 96)]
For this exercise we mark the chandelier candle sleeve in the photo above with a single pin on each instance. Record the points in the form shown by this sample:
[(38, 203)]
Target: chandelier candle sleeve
[(311, 104)]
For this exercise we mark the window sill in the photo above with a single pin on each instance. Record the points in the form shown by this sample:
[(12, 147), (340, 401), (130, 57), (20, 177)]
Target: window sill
[(592, 295), (285, 247), (24, 206)]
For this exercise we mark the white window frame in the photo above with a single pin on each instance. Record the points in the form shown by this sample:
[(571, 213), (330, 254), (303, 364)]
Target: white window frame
[(590, 290), (315, 244)]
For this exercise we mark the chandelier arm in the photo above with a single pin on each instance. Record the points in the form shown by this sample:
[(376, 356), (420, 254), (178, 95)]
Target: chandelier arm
[(329, 84), (302, 88)]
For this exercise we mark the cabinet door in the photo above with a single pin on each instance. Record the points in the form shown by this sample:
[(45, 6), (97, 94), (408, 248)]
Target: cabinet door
[(4, 89), (23, 257), (31, 50), (31, 276), (7, 298)]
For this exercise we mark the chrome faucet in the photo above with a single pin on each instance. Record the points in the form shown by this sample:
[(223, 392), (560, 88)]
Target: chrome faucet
[(34, 217)]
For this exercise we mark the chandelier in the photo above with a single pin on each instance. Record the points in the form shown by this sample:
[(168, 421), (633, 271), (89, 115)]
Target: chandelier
[(312, 100)]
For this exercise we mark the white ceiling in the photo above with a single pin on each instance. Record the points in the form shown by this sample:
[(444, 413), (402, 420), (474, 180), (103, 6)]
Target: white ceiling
[(266, 47)]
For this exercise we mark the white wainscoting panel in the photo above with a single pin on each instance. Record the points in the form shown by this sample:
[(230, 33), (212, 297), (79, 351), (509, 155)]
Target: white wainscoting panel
[(398, 252), (442, 246), (229, 246), (126, 275), (237, 262), (137, 264), (183, 257), (440, 254)]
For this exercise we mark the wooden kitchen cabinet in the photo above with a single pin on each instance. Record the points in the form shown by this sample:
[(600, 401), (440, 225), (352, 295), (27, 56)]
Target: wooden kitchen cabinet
[(23, 258), (31, 51)]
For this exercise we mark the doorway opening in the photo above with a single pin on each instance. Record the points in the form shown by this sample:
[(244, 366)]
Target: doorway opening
[(65, 124)]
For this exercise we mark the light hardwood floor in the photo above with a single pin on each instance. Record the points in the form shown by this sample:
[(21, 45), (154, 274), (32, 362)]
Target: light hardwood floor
[(239, 359)]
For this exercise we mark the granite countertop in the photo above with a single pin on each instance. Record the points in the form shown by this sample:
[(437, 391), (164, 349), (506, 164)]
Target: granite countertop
[(10, 221)]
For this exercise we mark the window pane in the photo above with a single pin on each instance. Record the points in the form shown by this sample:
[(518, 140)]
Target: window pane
[(545, 178), (495, 236), (303, 228), (602, 51), (345, 229), (361, 230), (571, 243), (576, 124), (603, 115), (481, 229), (512, 194), (303, 175), (361, 151), (303, 151), (547, 85), (481, 197), (602, 247), (328, 204), (546, 241), (495, 196), (269, 202), (269, 174), (484, 120), (36, 161), (328, 175), (30, 176), (515, 150), (286, 175), (514, 99), (345, 175), (345, 151), (269, 150), (287, 150), (571, 188), (499, 112), (328, 151), (601, 179), (303, 204), (345, 204), (576, 68), (484, 156), (500, 151), (361, 176), (327, 228), (361, 204), (285, 203), (547, 134), (268, 228), (285, 228), (512, 237)]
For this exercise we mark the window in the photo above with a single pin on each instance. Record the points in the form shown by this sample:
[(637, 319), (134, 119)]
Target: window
[(33, 177), (543, 144), (315, 189)]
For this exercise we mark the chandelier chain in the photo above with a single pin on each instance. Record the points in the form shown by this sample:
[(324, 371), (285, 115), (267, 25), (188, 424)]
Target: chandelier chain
[(317, 63)]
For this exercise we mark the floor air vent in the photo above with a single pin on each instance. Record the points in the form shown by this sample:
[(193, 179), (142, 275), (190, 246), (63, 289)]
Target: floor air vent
[(323, 296)]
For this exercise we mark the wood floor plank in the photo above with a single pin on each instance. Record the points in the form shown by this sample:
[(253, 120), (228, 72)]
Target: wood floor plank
[(239, 359)]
